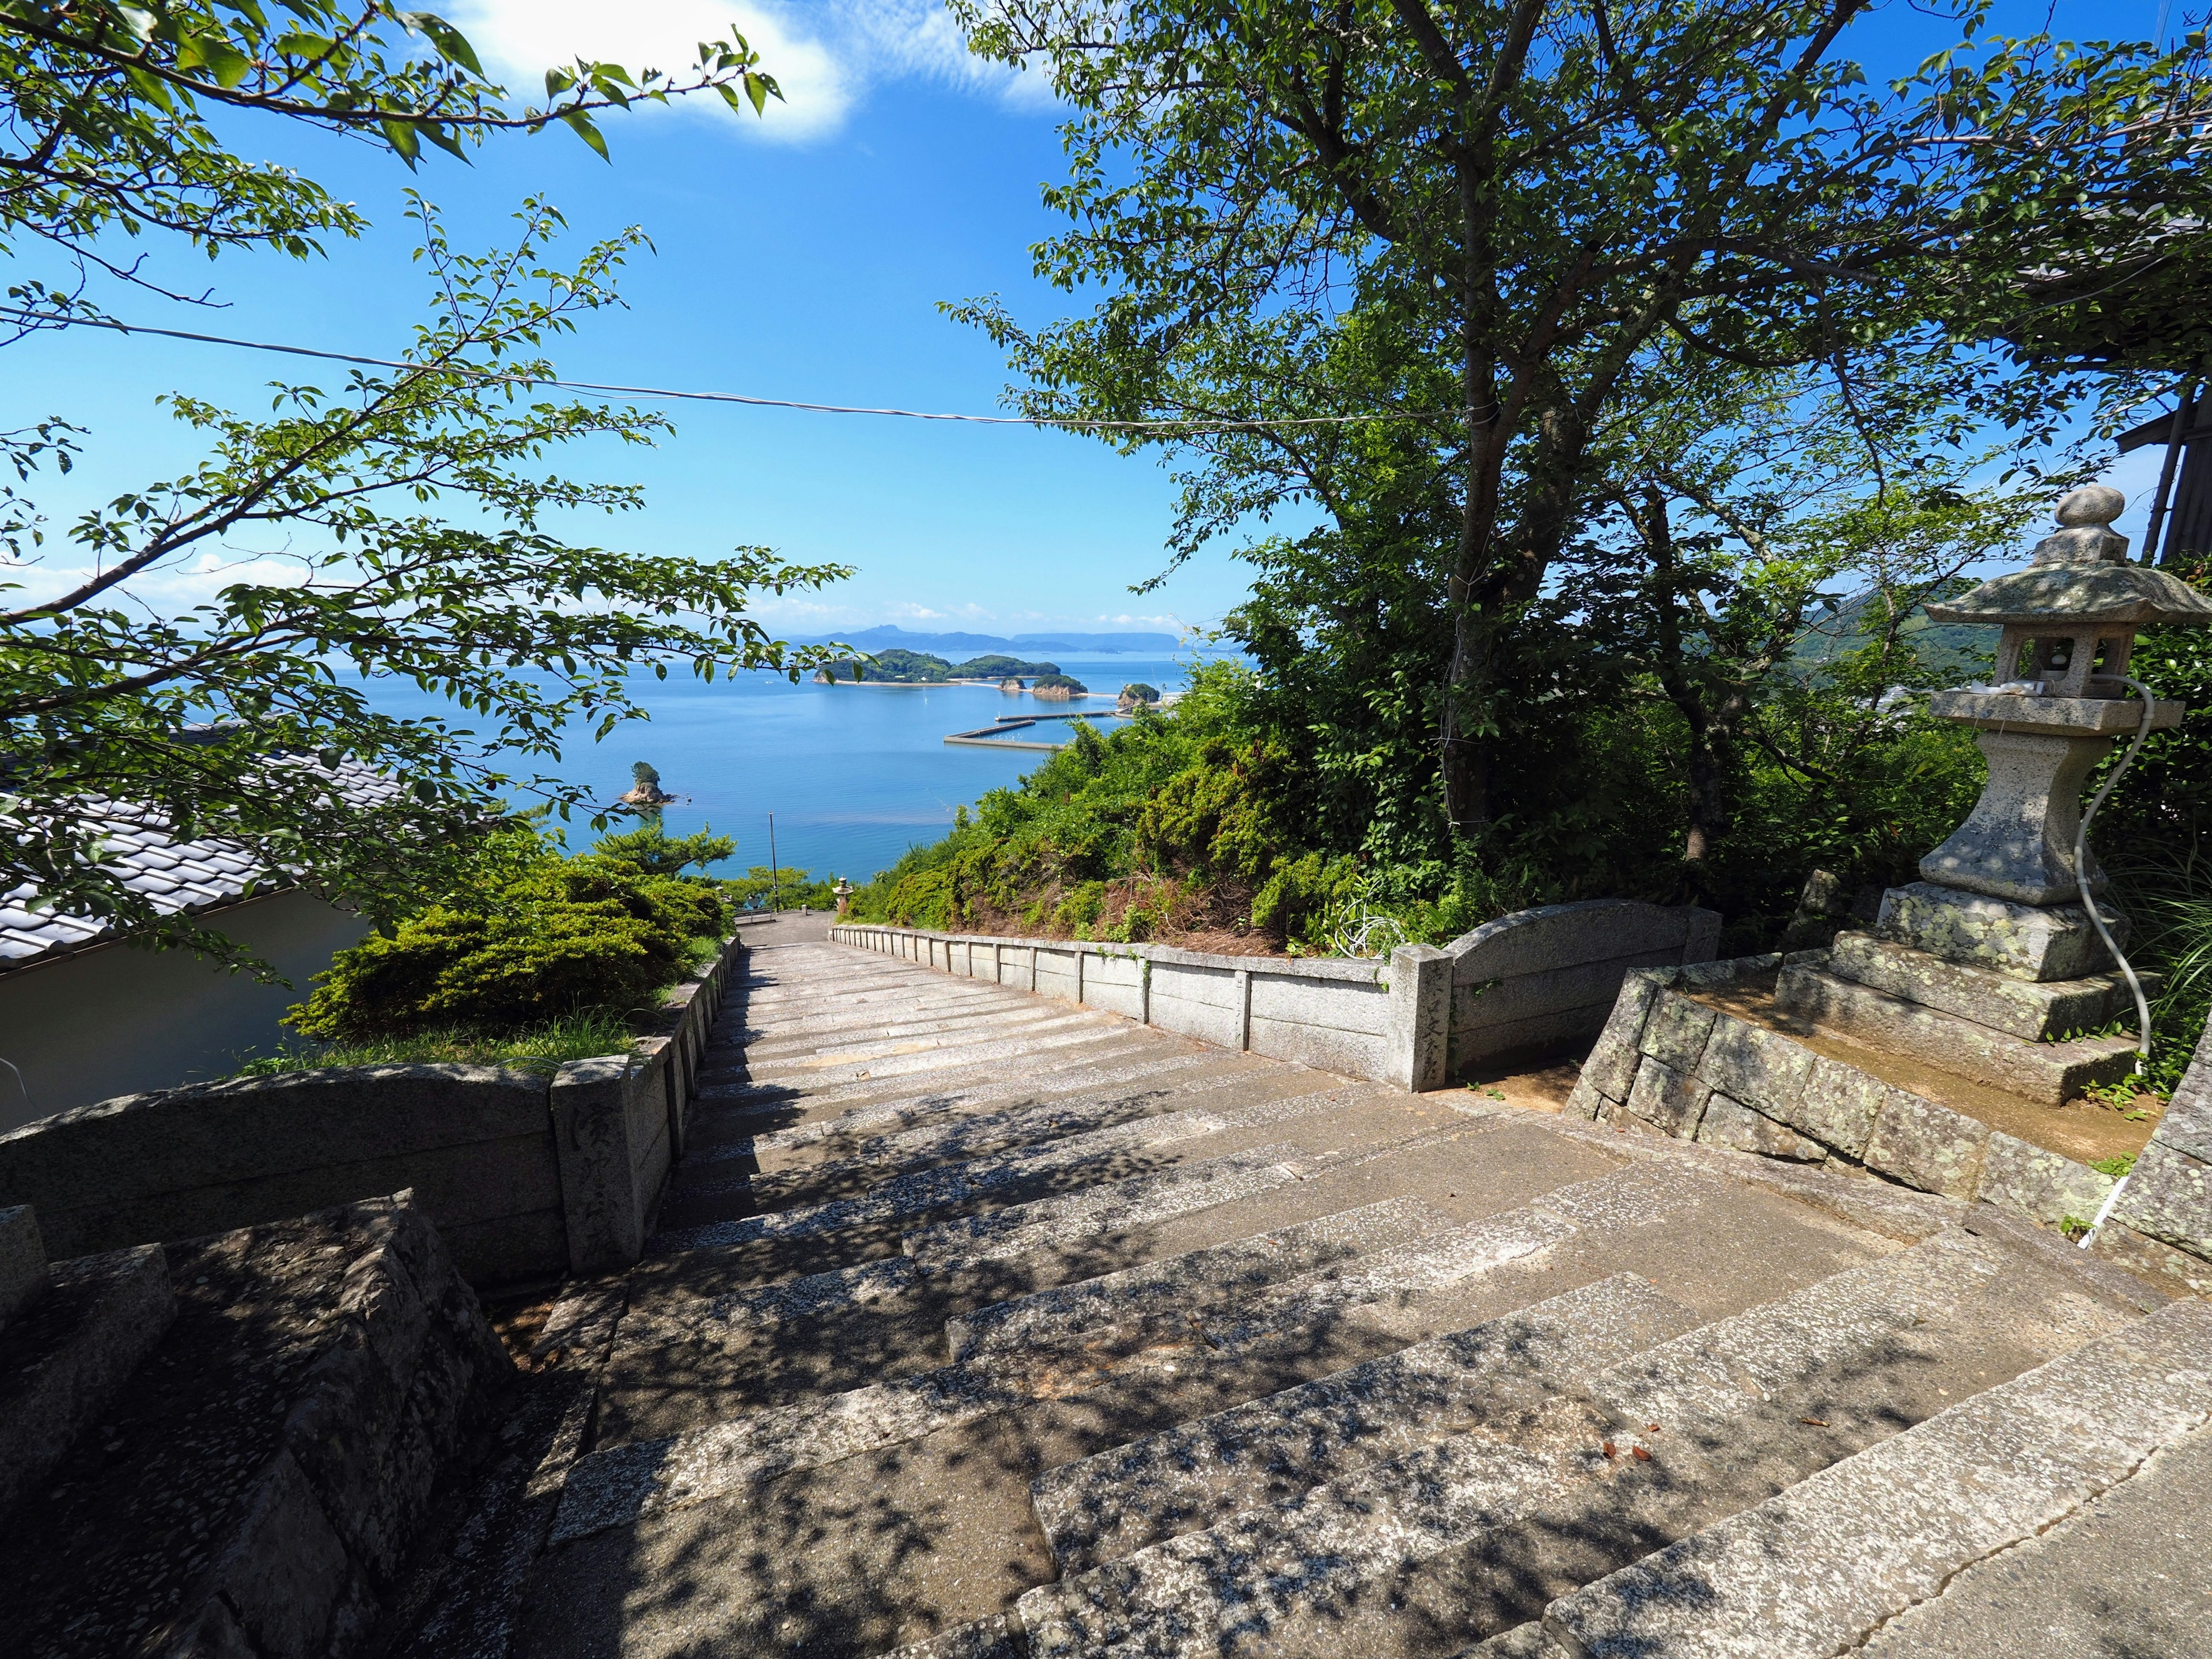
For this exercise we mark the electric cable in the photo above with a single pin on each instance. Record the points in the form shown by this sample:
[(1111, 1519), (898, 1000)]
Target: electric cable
[(493, 377)]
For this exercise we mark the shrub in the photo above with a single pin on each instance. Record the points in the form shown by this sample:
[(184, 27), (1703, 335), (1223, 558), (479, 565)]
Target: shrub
[(556, 937)]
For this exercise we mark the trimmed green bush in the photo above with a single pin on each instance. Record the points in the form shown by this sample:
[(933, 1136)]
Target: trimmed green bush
[(549, 939)]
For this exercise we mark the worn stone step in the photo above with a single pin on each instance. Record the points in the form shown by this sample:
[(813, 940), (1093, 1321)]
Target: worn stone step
[(782, 1105), (952, 1041), (839, 1135), (882, 1016), (885, 1156), (1819, 1568), (1198, 1473), (1286, 1576), (2128, 1572), (613, 1486), (909, 1199), (906, 1061), (704, 1339), (1108, 1315)]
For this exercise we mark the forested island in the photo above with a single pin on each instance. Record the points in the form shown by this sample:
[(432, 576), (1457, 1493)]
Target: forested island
[(897, 667)]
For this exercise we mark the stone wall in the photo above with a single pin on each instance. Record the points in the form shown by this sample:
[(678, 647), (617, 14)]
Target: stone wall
[(527, 1175), (1668, 1064), (1534, 979), (2162, 1220)]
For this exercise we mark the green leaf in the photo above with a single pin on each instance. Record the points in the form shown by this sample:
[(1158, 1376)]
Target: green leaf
[(452, 46), (405, 141), (580, 124), (223, 62), (757, 89)]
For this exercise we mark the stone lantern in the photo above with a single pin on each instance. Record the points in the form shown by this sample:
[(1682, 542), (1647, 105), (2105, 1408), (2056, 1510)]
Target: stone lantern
[(844, 891), (1977, 967)]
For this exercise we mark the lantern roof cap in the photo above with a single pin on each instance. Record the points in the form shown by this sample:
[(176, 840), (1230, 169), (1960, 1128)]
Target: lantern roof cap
[(2081, 575)]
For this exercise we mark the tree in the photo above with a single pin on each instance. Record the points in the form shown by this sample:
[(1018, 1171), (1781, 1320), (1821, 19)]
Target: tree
[(1531, 200), (105, 111), (252, 715)]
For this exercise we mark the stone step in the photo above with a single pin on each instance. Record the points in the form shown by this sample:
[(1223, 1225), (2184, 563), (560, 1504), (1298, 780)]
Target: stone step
[(908, 1199), (704, 1339), (897, 1034), (826, 1098), (906, 1061), (885, 1157), (1824, 1565), (2125, 1573), (1198, 1473), (1286, 1575), (613, 1487), (1111, 1314), (838, 1136), (957, 1039), (884, 1016)]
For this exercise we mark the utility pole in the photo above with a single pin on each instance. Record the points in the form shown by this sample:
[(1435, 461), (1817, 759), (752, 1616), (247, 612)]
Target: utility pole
[(775, 877)]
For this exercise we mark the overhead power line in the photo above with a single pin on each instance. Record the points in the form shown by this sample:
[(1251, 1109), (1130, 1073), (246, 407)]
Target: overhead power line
[(44, 319)]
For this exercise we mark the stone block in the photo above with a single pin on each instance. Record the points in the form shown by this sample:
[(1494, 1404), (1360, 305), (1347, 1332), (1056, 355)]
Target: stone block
[(64, 1361), (22, 1261), (2186, 1125), (1731, 971), (1761, 1068), (2049, 1074), (2032, 941), (1676, 1033), (1554, 935), (1732, 1124), (2042, 1185), (1611, 1066), (1926, 1145), (2169, 1198), (1670, 1100), (2028, 1009), (1586, 1100), (1417, 1045), (590, 1106), (2130, 1249)]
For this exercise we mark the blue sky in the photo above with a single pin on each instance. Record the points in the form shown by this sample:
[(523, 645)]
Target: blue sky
[(803, 256)]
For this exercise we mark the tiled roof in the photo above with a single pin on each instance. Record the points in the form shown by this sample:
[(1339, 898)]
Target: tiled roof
[(180, 876)]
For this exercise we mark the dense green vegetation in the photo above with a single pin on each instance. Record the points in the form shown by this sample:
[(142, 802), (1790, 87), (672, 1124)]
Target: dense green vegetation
[(897, 666), (533, 939), (541, 1047), (1639, 373)]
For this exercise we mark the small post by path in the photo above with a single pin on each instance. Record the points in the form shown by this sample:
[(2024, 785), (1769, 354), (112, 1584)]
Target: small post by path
[(774, 878)]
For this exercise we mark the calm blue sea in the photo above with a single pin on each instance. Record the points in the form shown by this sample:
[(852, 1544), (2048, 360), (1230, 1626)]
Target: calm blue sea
[(855, 775)]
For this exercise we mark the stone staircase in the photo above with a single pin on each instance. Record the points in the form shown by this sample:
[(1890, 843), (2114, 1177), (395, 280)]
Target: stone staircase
[(979, 1327)]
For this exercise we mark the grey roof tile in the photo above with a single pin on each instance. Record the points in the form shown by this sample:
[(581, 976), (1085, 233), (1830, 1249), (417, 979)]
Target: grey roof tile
[(200, 874)]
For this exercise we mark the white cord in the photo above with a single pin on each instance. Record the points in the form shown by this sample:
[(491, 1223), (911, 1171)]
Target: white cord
[(2082, 881), (2081, 869)]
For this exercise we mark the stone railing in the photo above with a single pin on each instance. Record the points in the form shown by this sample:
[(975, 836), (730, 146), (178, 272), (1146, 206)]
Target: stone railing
[(527, 1175), (1537, 979)]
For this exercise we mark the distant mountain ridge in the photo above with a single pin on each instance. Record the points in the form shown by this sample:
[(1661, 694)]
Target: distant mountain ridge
[(887, 637)]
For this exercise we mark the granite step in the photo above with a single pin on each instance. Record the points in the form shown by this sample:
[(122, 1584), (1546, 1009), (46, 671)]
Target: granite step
[(1251, 1302), (824, 1098), (613, 1487), (1304, 1574), (958, 1040), (923, 1056), (1198, 1473), (908, 1199), (945, 1250), (1821, 1568), (841, 1134), (928, 1146)]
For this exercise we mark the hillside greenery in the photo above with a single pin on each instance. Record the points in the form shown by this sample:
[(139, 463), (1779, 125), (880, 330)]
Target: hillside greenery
[(896, 666)]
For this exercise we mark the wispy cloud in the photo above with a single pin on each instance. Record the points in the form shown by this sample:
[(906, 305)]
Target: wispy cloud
[(826, 56)]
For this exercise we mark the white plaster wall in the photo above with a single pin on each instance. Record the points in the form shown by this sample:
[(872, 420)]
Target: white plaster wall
[(118, 1021)]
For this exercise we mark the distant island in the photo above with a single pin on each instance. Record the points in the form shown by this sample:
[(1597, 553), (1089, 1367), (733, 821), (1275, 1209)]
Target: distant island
[(877, 640), (895, 666), (1059, 687)]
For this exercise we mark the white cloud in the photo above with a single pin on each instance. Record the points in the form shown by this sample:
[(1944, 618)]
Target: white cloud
[(824, 56)]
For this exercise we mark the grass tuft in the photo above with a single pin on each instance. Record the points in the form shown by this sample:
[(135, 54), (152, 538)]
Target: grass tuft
[(537, 1048)]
